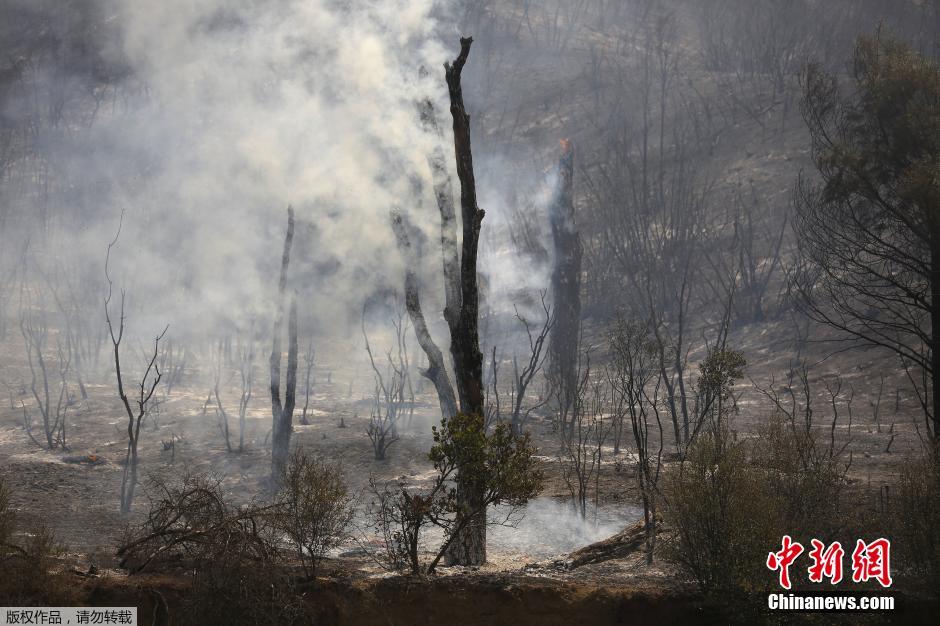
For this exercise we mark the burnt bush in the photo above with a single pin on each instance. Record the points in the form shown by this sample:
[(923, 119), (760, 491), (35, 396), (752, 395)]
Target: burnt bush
[(313, 509), (229, 553), (192, 520), (30, 566), (241, 560), (916, 517)]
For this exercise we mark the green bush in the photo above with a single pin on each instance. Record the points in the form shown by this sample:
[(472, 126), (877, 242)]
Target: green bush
[(730, 502), (723, 516), (495, 468)]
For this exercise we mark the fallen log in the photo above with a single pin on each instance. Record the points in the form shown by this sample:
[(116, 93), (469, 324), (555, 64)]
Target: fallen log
[(621, 545)]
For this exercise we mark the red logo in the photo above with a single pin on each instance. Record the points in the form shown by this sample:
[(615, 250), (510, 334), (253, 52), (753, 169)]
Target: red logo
[(783, 559), (872, 560), (826, 563), (869, 561)]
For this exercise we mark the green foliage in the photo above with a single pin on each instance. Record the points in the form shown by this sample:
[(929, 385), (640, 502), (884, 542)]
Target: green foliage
[(868, 233), (723, 515), (888, 151), (501, 464), (730, 502), (718, 372)]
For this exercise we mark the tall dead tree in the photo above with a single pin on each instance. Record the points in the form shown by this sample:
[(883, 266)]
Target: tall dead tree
[(143, 392), (282, 413), (246, 368), (461, 306), (566, 284), (52, 407), (469, 546), (309, 356)]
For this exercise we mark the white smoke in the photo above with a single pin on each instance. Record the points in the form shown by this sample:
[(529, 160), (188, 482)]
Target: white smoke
[(235, 109)]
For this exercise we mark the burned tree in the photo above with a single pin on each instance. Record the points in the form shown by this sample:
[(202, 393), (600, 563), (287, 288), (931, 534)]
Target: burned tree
[(566, 284), (523, 377), (743, 261), (172, 360), (246, 369), (436, 370), (508, 476), (634, 368), (144, 389), (582, 440), (51, 396), (309, 356), (283, 412), (469, 545), (461, 311), (393, 396), (869, 234)]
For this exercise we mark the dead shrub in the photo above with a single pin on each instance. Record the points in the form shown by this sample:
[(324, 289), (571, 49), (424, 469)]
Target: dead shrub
[(233, 554), (917, 517), (192, 520), (399, 515), (807, 477), (7, 515), (239, 558), (30, 567), (723, 515), (313, 509)]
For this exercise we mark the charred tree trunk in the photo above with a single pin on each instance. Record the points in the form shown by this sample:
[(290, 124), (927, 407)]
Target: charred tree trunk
[(469, 546), (935, 327), (282, 414), (142, 394), (436, 371), (566, 285), (444, 194)]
